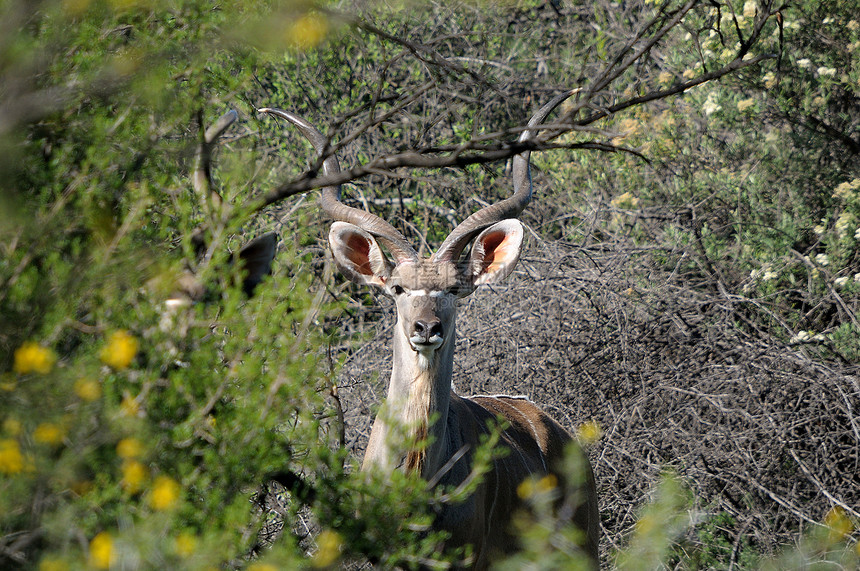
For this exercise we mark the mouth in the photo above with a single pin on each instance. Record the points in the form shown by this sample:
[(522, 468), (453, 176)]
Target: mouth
[(423, 345)]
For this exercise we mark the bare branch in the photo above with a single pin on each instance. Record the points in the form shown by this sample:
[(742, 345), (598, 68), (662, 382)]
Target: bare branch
[(460, 156)]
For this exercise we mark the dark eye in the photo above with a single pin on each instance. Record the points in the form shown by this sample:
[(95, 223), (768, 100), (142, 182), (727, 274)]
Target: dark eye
[(397, 290)]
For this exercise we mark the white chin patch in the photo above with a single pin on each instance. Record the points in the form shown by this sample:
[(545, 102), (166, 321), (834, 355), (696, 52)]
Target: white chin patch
[(426, 353), (425, 360)]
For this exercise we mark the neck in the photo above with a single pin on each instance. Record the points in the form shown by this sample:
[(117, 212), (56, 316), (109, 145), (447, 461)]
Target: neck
[(416, 408)]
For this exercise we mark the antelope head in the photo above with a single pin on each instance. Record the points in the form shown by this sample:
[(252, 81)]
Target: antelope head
[(425, 290)]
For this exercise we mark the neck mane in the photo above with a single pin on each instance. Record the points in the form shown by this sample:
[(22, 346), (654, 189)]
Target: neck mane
[(416, 408), (421, 403)]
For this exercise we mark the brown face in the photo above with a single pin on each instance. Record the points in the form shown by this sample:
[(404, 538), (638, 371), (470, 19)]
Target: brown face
[(426, 294), (425, 291)]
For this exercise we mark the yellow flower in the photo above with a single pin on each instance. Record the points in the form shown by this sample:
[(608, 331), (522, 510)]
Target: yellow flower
[(590, 432), (526, 489), (262, 567), (547, 484), (164, 494), (308, 31), (185, 544), (88, 389), (665, 78), (532, 486), (839, 523), (49, 433), (129, 448), (11, 459), (120, 350), (129, 406), (328, 549), (134, 475), (53, 564), (101, 551), (33, 358)]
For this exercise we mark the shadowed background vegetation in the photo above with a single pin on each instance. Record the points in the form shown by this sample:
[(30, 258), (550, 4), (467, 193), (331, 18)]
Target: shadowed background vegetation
[(686, 303)]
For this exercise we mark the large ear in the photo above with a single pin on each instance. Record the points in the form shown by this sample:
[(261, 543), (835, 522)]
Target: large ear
[(256, 258), (495, 252), (358, 255)]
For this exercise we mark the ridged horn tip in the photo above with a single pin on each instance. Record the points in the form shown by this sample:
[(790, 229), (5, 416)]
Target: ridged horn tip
[(510, 207)]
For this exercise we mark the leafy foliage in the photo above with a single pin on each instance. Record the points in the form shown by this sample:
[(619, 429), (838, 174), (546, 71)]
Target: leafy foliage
[(140, 434)]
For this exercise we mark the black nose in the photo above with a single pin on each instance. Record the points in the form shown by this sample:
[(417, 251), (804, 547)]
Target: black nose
[(428, 329)]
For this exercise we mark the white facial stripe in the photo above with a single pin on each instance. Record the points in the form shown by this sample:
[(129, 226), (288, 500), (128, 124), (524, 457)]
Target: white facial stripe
[(425, 293)]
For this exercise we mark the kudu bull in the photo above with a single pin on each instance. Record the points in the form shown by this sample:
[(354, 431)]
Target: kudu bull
[(425, 293)]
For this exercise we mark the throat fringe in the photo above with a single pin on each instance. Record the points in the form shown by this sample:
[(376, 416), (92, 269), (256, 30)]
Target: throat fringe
[(422, 400)]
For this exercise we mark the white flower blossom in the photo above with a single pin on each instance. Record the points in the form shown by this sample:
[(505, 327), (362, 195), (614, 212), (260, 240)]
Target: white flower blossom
[(840, 282), (806, 336), (745, 104), (711, 106), (843, 224), (822, 259), (800, 337)]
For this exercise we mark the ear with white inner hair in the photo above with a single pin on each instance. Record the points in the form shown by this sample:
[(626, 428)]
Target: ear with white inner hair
[(495, 252), (358, 255)]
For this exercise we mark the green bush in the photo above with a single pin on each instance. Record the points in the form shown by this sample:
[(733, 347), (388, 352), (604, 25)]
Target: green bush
[(134, 432)]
